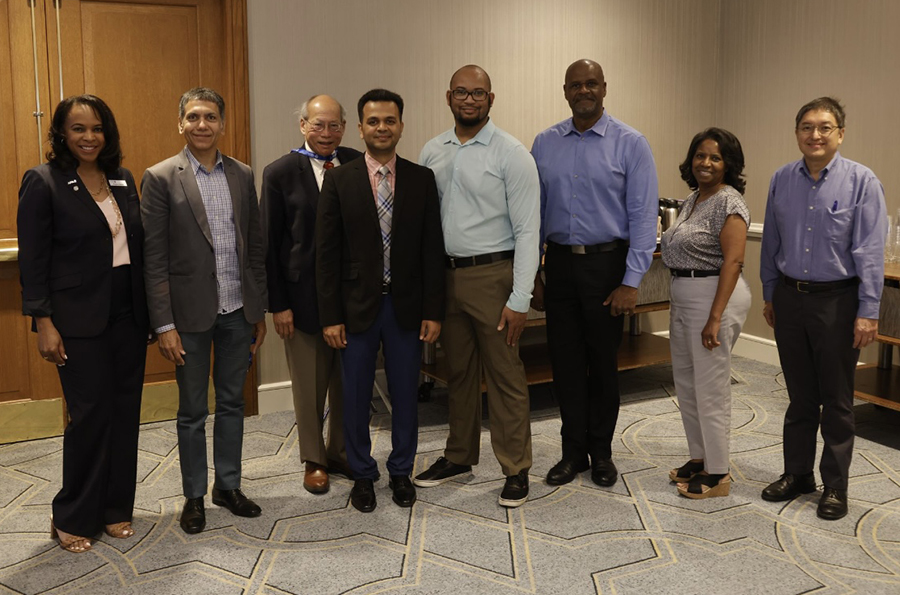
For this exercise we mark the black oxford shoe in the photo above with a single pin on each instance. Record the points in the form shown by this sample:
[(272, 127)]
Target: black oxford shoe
[(565, 471), (362, 496), (833, 505), (404, 491), (789, 487), (193, 516), (604, 472), (236, 502)]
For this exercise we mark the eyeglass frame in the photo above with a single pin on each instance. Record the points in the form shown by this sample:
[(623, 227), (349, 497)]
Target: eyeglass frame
[(808, 129), (457, 94), (333, 127)]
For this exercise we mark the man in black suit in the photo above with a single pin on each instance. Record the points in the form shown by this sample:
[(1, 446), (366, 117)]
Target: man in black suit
[(290, 193), (380, 281)]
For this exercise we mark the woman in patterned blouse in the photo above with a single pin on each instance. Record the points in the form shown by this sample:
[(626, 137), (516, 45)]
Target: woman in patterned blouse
[(709, 302)]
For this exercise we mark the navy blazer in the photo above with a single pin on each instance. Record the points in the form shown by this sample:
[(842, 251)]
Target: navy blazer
[(288, 201), (66, 250), (350, 256)]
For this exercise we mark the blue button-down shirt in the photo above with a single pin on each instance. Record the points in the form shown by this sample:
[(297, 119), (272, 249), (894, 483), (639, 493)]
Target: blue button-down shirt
[(599, 186), (828, 229), (490, 201)]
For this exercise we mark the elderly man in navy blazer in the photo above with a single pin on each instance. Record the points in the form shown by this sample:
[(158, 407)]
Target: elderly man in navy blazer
[(206, 286), (380, 280), (290, 194)]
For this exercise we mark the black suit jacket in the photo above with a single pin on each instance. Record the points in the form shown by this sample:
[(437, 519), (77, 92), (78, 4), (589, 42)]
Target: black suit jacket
[(349, 254), (289, 200), (66, 250)]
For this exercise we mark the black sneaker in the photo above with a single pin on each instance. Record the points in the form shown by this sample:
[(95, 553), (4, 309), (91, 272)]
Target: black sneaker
[(440, 472), (515, 491)]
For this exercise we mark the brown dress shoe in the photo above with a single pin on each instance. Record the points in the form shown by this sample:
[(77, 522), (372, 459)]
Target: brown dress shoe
[(315, 480)]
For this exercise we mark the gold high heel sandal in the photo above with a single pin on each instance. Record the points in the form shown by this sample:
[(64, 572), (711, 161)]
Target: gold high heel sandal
[(70, 543)]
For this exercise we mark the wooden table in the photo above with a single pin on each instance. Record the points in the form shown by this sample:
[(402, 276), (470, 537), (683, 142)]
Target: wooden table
[(880, 383)]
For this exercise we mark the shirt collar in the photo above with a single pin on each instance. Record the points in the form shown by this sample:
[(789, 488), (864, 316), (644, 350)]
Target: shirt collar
[(374, 165), (196, 165), (599, 127), (801, 165), (483, 137)]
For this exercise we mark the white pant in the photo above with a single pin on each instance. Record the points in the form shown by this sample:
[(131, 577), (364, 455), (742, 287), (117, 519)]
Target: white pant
[(703, 377)]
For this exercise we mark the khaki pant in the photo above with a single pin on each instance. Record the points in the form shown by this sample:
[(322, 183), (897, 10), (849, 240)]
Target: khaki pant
[(473, 345), (316, 373)]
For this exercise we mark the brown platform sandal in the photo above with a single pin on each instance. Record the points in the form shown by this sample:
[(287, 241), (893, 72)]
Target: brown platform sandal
[(122, 530), (70, 543), (684, 473), (704, 485)]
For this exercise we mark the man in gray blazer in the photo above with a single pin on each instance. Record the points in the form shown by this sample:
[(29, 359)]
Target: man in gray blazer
[(206, 287)]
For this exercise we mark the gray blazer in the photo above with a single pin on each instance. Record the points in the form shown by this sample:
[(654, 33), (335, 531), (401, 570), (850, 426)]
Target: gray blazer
[(179, 261)]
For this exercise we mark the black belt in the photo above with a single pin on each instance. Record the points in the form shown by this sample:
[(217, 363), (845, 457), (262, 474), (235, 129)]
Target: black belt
[(693, 273), (818, 286), (461, 262), (385, 288), (605, 247)]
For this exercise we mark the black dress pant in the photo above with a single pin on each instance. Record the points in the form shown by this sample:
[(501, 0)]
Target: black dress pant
[(102, 382), (584, 339), (814, 332)]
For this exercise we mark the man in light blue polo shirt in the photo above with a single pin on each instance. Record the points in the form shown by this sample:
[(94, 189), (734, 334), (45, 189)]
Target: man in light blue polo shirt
[(490, 201)]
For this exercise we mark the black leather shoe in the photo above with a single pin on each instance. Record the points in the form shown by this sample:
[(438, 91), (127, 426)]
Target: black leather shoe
[(515, 490), (789, 487), (565, 471), (604, 472), (193, 516), (362, 496), (833, 505), (404, 491), (441, 471), (236, 502)]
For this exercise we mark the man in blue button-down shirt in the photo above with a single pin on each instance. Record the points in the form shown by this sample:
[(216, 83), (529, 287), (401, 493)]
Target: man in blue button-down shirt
[(599, 202), (822, 269)]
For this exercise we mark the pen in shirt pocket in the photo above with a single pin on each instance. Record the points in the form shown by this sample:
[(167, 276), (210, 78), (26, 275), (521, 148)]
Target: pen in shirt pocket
[(834, 207)]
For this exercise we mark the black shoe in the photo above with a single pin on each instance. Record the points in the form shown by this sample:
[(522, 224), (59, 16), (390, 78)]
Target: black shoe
[(515, 490), (833, 505), (193, 516), (565, 471), (404, 492), (789, 487), (236, 502), (604, 472), (362, 496), (441, 471), (336, 467)]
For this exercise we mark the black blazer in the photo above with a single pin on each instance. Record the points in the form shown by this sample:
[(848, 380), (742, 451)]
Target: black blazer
[(349, 254), (289, 200), (65, 250)]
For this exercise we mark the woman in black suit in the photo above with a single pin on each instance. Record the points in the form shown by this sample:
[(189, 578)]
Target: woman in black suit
[(80, 256)]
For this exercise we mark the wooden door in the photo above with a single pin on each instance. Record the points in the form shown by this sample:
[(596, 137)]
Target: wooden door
[(139, 56)]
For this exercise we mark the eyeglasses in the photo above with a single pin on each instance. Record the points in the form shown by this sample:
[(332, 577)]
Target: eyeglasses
[(321, 126), (461, 94), (824, 130)]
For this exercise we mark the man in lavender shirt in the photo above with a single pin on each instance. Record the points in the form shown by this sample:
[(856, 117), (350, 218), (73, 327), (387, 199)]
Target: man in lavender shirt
[(822, 269), (599, 202)]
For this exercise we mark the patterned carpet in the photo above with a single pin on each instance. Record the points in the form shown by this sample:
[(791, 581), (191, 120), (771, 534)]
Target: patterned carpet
[(637, 537)]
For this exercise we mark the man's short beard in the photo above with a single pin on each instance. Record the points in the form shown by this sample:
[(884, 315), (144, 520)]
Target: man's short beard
[(470, 121)]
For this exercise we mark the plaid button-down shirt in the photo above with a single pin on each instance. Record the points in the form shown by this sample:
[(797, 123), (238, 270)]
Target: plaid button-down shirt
[(220, 215)]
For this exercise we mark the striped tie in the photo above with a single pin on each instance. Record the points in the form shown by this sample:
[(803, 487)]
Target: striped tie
[(385, 211)]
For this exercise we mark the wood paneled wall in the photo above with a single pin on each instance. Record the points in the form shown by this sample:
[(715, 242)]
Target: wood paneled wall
[(673, 67)]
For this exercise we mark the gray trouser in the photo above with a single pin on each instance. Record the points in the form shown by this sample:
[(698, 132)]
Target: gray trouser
[(702, 376)]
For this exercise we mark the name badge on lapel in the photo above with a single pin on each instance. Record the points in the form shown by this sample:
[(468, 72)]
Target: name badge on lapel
[(118, 183)]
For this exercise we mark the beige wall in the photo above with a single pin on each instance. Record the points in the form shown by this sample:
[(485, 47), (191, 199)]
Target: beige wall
[(673, 67)]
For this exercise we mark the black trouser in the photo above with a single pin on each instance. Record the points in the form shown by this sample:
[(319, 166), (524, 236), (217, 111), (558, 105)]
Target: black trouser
[(584, 339), (814, 332), (102, 382)]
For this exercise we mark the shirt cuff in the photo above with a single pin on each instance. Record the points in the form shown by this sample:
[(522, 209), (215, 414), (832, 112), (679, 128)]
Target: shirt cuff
[(518, 304), (632, 279), (868, 310), (165, 329)]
